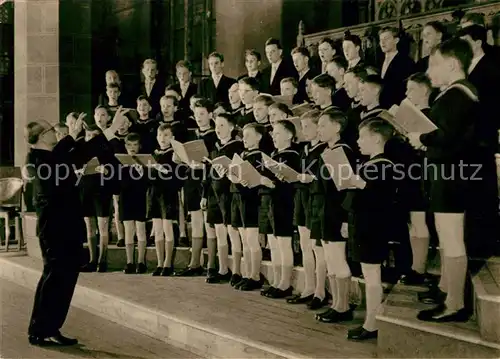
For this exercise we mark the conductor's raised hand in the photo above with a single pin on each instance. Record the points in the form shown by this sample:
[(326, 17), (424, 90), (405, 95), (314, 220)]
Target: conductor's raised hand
[(119, 119), (76, 127)]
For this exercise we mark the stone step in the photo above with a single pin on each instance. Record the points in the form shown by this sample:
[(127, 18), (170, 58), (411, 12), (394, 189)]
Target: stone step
[(401, 334), (493, 265), (213, 321)]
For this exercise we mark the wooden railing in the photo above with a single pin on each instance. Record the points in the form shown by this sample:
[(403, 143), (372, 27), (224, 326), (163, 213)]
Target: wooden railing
[(411, 24)]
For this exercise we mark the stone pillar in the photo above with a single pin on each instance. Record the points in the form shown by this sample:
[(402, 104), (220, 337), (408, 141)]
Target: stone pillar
[(36, 67)]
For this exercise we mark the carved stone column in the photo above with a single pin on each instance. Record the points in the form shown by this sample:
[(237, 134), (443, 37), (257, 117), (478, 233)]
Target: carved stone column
[(36, 67)]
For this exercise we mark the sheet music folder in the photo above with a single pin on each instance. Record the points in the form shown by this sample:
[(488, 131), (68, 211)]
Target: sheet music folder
[(241, 170), (340, 168), (280, 169), (406, 118), (192, 151), (139, 159)]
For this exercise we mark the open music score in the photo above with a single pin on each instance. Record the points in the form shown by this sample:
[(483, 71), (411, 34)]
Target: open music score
[(406, 118), (189, 152), (241, 170), (340, 169), (280, 169)]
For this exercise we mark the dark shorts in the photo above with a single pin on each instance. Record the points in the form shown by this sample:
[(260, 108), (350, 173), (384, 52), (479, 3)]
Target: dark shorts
[(326, 220), (301, 207), (265, 226), (162, 204), (245, 210), (96, 202), (192, 195), (369, 238), (133, 205), (219, 208), (281, 215), (447, 190)]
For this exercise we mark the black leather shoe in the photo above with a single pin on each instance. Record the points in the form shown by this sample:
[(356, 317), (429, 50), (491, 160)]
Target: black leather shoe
[(280, 293), (235, 279), (167, 272), (225, 277), (297, 299), (335, 317), (129, 268), (190, 272), (441, 314), (250, 285), (267, 290), (141, 268), (212, 276), (56, 340), (317, 303), (157, 272), (102, 267), (413, 278), (433, 296), (361, 333), (242, 282)]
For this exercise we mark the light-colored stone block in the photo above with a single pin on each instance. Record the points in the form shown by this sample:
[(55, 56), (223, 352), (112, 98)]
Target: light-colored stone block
[(43, 49), (50, 17), (51, 79), (43, 108), (34, 17), (34, 79)]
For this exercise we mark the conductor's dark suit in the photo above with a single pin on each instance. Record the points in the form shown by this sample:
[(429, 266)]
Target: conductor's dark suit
[(285, 69), (154, 96), (60, 229), (220, 93)]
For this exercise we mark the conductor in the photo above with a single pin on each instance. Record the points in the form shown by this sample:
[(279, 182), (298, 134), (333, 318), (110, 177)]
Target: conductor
[(60, 226)]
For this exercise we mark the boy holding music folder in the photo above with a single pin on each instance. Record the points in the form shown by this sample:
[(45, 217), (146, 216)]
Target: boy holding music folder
[(450, 150), (370, 204), (276, 207), (217, 201), (132, 203), (193, 154)]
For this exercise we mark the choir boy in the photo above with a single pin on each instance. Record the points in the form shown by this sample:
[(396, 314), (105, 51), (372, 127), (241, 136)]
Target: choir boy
[(278, 112), (113, 92), (351, 47), (396, 68), (276, 212), (433, 34), (111, 77), (203, 112), (245, 204), (145, 126), (133, 207), (217, 86), (370, 89), (153, 87), (248, 89), (277, 70), (252, 63), (418, 92), (163, 200), (234, 98), (371, 209), (261, 114), (169, 114), (322, 89), (330, 218), (327, 49), (217, 200), (300, 57), (312, 254), (337, 69), (289, 88), (448, 148), (185, 87)]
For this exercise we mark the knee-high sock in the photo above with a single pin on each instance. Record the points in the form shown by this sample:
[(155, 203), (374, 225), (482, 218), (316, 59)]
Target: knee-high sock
[(443, 285), (103, 239), (319, 255), (420, 250), (212, 252), (222, 248), (252, 238), (182, 217), (159, 242), (286, 251), (129, 227), (168, 231), (247, 255), (120, 230), (374, 294), (275, 260), (141, 242), (456, 271), (197, 238), (91, 238), (333, 290), (236, 249), (336, 262), (308, 262)]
